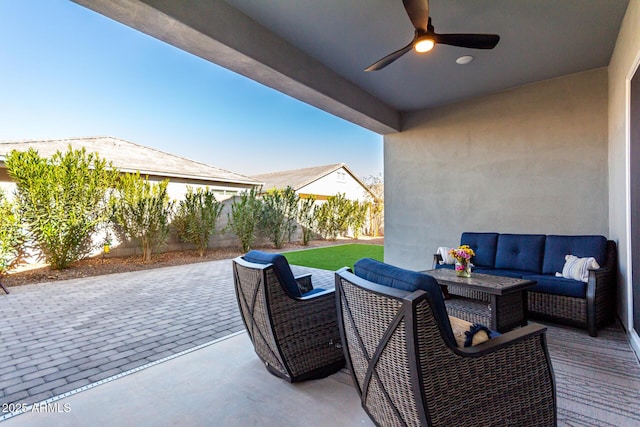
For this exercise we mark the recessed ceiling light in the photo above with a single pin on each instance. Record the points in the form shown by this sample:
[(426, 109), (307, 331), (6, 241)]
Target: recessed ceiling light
[(464, 59)]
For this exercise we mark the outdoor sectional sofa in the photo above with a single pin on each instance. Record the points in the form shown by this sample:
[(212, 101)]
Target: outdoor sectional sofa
[(539, 257)]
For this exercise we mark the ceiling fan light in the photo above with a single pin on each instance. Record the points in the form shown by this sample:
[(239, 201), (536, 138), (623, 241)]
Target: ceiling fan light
[(424, 44)]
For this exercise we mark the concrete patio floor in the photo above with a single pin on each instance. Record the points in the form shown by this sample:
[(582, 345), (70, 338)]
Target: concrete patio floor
[(223, 384), (166, 347), (57, 337)]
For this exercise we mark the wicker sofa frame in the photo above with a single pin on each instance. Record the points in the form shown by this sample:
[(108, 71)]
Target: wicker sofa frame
[(594, 311), (407, 372), (296, 338)]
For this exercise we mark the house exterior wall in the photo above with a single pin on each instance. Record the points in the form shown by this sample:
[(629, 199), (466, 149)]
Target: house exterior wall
[(338, 181), (177, 188), (623, 61), (6, 183), (527, 160)]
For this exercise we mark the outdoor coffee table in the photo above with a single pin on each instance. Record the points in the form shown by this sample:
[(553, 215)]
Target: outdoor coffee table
[(495, 301)]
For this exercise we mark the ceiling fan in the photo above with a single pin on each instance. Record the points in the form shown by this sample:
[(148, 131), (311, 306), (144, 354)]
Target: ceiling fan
[(426, 38)]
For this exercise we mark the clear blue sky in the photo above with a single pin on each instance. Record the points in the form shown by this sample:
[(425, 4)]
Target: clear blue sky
[(66, 71)]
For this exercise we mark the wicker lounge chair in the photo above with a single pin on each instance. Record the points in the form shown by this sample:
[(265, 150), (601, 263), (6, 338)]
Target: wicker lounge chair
[(408, 371), (296, 335)]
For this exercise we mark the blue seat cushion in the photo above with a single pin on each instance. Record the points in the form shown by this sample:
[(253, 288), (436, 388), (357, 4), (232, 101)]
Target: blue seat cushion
[(449, 266), (280, 266), (517, 274), (520, 252), (407, 280), (484, 246), (313, 291), (557, 247), (549, 284)]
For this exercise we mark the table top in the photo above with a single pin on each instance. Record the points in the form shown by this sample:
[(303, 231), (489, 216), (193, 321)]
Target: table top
[(497, 285)]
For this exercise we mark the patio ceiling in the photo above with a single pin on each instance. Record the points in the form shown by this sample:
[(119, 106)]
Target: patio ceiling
[(316, 50)]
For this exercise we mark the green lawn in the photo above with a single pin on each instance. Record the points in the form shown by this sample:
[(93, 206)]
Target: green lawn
[(335, 257)]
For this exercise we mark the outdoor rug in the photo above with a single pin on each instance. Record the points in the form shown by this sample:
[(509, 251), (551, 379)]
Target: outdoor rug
[(597, 378)]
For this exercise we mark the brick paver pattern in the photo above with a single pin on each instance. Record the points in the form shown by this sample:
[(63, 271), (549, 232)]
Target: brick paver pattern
[(59, 336)]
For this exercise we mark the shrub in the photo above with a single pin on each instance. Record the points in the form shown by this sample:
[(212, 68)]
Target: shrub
[(12, 236), (142, 211), (332, 217), (61, 200), (358, 217), (244, 217), (306, 218), (196, 217), (278, 215)]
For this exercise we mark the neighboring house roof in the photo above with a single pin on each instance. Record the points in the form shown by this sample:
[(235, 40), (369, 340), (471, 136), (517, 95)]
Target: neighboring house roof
[(129, 157), (299, 178)]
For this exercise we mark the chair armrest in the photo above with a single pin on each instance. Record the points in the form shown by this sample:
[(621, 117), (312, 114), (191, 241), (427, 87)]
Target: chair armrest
[(600, 279), (437, 258), (602, 282), (504, 340), (488, 372), (304, 283), (601, 298), (317, 294)]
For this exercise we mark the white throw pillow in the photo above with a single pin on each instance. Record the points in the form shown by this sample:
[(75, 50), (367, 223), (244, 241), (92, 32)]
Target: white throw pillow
[(578, 268), (446, 258)]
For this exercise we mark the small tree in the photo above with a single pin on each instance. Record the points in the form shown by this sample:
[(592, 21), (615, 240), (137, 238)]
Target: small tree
[(197, 216), (142, 211), (323, 220), (291, 203), (344, 212), (278, 215), (358, 217), (244, 216), (61, 200), (333, 216), (12, 236), (306, 218), (272, 220)]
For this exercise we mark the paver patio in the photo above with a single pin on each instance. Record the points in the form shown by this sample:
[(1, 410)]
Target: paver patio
[(60, 336)]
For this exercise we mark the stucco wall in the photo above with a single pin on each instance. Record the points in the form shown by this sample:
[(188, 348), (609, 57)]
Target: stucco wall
[(625, 56), (528, 160)]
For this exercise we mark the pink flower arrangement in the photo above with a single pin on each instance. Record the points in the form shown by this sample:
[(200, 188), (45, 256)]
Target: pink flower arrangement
[(463, 255)]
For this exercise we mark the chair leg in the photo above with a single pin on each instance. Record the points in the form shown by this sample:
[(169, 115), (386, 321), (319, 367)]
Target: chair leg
[(4, 288)]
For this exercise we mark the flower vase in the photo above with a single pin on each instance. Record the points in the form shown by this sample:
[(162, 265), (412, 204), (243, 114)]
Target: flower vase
[(463, 268)]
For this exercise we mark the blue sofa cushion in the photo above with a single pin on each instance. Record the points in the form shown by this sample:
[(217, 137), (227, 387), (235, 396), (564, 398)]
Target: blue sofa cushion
[(557, 247), (407, 280), (281, 267), (517, 274), (484, 245), (520, 252), (558, 285)]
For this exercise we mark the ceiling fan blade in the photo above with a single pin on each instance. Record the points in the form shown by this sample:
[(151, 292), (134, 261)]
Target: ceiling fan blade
[(379, 65), (473, 41), (418, 11)]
